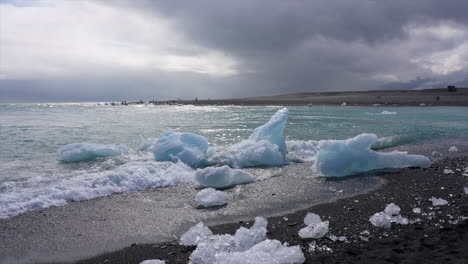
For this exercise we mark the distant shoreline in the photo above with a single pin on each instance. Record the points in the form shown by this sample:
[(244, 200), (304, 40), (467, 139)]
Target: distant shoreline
[(429, 97)]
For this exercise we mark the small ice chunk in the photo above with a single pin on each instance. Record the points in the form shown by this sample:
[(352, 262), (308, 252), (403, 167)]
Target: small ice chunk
[(221, 177), (195, 234), (453, 149), (417, 210), (466, 190), (435, 154), (448, 171), (392, 209), (381, 219), (314, 231), (352, 156), (400, 220), (438, 201), (186, 147), (312, 219), (210, 197), (344, 104), (247, 238), (89, 151), (153, 261)]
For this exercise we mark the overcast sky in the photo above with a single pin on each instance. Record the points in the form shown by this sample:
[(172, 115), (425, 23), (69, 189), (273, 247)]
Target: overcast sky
[(103, 50)]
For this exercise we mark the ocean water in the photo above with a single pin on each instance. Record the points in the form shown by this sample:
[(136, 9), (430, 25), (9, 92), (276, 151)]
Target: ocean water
[(32, 176)]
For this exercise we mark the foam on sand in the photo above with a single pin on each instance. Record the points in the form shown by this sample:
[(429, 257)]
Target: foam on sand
[(221, 177), (210, 197), (266, 146), (248, 245), (186, 147), (352, 156), (42, 192), (89, 151)]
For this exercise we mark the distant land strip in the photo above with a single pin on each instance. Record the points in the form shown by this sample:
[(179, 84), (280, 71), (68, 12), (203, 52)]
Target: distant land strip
[(427, 97)]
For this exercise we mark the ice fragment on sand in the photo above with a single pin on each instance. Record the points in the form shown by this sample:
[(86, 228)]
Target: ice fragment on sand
[(153, 261), (438, 201), (187, 147), (353, 156), (265, 147), (453, 149), (89, 151), (417, 210), (210, 197), (448, 171), (466, 190), (435, 154), (312, 219), (220, 177), (314, 230), (195, 234), (381, 219), (392, 209)]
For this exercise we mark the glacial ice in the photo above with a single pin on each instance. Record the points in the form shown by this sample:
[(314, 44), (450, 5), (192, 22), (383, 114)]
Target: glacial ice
[(41, 192), (266, 146), (381, 219), (312, 219), (153, 261), (186, 147), (248, 245), (448, 171), (210, 197), (195, 234), (453, 149), (353, 156), (391, 214), (417, 210), (438, 201), (314, 230), (221, 177), (465, 189), (89, 151)]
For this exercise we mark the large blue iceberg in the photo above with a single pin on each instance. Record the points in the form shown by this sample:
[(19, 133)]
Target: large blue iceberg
[(265, 147), (352, 156), (186, 147), (89, 151)]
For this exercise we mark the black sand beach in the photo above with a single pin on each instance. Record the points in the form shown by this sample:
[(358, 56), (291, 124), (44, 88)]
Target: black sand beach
[(440, 237)]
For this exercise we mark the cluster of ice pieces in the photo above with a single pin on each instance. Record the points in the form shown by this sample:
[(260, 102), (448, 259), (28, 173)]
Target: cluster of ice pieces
[(315, 227), (247, 245), (89, 151), (390, 215), (210, 197), (352, 156), (221, 177), (186, 147)]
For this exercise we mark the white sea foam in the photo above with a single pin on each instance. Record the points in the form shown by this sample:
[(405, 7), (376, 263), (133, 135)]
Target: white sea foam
[(353, 156), (300, 150), (41, 192), (89, 151)]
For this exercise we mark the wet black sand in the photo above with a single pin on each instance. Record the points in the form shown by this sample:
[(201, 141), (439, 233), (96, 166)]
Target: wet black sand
[(436, 239)]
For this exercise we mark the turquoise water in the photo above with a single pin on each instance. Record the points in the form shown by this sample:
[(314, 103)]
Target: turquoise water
[(31, 134)]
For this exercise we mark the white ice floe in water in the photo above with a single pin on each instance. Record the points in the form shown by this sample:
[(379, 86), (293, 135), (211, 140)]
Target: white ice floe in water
[(89, 151), (153, 261), (353, 156), (391, 214), (453, 149), (388, 113), (438, 201), (186, 147), (248, 245), (448, 171), (45, 191), (315, 228), (266, 146), (195, 234), (301, 151), (221, 177), (210, 197)]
